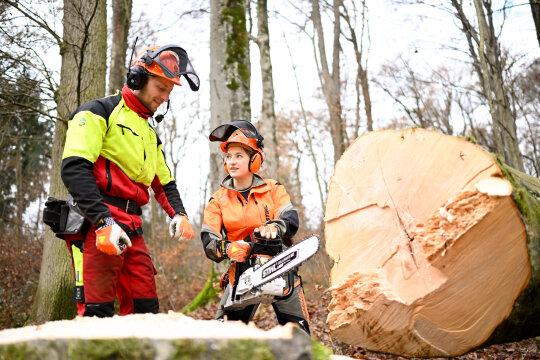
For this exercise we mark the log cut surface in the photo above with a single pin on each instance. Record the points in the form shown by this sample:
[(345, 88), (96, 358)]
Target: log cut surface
[(430, 251), (153, 336)]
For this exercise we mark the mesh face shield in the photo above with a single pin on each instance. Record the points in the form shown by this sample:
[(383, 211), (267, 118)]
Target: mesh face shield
[(223, 132), (172, 62)]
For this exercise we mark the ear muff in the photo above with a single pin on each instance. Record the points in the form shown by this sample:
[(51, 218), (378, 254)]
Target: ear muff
[(255, 162), (136, 77)]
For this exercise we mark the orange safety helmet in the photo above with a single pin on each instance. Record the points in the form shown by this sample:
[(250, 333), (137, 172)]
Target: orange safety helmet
[(169, 62), (241, 132)]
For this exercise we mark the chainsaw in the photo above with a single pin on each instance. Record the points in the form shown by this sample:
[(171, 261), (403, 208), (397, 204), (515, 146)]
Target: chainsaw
[(262, 282)]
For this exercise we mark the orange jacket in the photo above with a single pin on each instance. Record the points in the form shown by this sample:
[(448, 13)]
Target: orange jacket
[(229, 216)]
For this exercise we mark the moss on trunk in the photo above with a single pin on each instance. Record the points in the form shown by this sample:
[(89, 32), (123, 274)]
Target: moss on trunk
[(525, 317)]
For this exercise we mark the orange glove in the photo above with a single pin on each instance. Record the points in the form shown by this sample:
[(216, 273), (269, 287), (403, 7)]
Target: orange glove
[(238, 250), (269, 231), (180, 228), (110, 238)]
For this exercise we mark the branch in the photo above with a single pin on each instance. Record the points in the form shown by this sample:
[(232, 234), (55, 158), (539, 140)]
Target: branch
[(35, 18)]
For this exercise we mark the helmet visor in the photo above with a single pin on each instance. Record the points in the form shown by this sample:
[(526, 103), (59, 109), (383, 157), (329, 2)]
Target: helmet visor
[(223, 132), (174, 62)]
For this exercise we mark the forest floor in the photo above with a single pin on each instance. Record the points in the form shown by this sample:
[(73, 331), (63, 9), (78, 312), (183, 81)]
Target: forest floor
[(317, 305)]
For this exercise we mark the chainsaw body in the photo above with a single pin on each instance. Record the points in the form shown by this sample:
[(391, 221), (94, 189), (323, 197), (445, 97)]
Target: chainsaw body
[(267, 280)]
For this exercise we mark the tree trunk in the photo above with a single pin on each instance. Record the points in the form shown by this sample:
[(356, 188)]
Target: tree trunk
[(486, 56), (330, 80), (435, 244), (229, 73), (19, 195), (535, 10), (361, 80), (267, 121), (156, 336), (121, 20), (82, 78)]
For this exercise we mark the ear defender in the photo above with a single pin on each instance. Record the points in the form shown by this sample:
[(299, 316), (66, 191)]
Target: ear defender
[(255, 162), (136, 77)]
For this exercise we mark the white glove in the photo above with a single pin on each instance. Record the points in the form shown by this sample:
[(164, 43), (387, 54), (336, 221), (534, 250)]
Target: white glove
[(267, 231), (180, 228)]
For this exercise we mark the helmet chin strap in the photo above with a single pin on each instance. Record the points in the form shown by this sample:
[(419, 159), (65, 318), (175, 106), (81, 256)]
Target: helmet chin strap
[(159, 118)]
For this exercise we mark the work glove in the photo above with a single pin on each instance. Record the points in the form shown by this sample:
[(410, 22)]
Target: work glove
[(269, 231), (238, 250), (110, 238), (180, 228)]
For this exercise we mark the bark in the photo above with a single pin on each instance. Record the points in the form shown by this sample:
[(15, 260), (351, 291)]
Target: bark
[(330, 80), (361, 80), (229, 73), (436, 246), (535, 10), (155, 336), (82, 78), (121, 21), (19, 185), (267, 121), (486, 55)]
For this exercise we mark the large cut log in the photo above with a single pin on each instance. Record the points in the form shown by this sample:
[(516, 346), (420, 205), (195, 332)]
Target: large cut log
[(160, 336), (432, 240)]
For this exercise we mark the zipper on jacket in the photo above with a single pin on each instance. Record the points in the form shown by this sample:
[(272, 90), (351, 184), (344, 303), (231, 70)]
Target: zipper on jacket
[(108, 174)]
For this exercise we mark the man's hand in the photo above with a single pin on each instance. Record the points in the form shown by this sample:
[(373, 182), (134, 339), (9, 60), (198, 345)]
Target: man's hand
[(238, 250), (269, 231), (180, 228), (110, 238)]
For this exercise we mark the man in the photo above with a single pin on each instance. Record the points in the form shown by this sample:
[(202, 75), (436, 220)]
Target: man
[(111, 157)]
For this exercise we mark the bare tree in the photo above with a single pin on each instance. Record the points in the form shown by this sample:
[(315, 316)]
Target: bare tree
[(535, 10), (427, 100), (267, 120), (121, 20), (485, 51), (361, 80), (525, 95), (82, 78), (330, 79), (230, 73)]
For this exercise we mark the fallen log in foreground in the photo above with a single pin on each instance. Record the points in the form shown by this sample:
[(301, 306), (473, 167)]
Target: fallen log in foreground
[(432, 255), (161, 336)]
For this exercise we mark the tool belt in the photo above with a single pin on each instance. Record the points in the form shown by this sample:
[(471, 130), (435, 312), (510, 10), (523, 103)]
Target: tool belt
[(129, 206), (63, 216)]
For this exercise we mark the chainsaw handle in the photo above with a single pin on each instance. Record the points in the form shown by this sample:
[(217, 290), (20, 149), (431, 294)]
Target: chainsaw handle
[(290, 290)]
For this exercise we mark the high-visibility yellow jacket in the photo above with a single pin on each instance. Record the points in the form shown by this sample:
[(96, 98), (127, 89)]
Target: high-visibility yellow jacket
[(111, 149), (230, 216)]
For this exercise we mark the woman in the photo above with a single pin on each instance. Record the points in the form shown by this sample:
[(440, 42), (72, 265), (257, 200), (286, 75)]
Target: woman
[(247, 203)]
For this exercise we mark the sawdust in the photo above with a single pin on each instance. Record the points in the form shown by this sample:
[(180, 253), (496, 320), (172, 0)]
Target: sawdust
[(151, 326)]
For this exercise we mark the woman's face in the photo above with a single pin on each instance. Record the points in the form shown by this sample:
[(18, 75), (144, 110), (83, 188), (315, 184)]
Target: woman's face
[(237, 160)]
